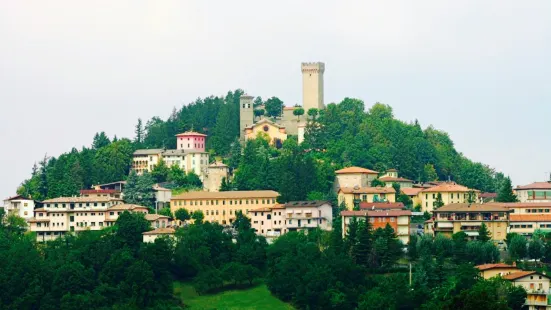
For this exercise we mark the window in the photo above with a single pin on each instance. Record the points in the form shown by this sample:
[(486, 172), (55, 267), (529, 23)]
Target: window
[(269, 216), (111, 213), (309, 221), (372, 219), (392, 219), (290, 221)]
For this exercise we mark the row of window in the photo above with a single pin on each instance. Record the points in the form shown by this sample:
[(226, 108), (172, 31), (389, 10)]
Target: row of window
[(79, 214), (92, 224), (64, 205), (522, 226), (457, 195), (537, 210), (216, 202)]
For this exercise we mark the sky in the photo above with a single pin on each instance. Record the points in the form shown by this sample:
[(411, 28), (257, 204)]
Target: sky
[(479, 70)]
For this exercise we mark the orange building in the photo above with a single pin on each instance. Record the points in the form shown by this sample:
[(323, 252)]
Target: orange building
[(399, 220)]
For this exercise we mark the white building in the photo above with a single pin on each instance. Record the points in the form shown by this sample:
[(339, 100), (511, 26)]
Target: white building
[(293, 216), (150, 236), (535, 192), (20, 206)]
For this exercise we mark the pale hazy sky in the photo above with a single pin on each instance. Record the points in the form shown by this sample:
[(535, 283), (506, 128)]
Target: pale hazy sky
[(479, 70)]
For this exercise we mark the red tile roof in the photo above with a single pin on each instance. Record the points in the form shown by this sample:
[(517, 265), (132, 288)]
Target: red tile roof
[(367, 190), (518, 275), (411, 191), (190, 133), (493, 266), (529, 205), (382, 205), (447, 187), (488, 195), (390, 213), (530, 217), (536, 185), (98, 191), (351, 170), (393, 179)]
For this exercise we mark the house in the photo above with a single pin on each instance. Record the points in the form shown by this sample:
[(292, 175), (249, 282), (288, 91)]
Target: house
[(487, 197), (391, 177), (526, 217), (468, 218), (150, 236), (354, 177), (62, 215), (279, 219), (220, 207), (535, 284), (158, 221), (162, 196), (534, 192), (414, 194), (537, 288), (355, 195), (213, 178), (118, 186), (20, 206), (364, 205), (450, 193), (189, 155), (399, 220), (275, 133), (112, 193)]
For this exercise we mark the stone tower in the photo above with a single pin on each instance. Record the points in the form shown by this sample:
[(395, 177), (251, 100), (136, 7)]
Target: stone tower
[(312, 85), (246, 114)]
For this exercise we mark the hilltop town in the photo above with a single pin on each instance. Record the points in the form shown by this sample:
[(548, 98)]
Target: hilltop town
[(241, 190)]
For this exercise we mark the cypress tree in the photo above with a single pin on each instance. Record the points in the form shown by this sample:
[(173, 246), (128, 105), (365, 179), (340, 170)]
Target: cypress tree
[(362, 248), (483, 233)]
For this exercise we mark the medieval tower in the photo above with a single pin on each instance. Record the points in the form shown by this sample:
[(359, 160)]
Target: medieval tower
[(312, 85), (246, 113)]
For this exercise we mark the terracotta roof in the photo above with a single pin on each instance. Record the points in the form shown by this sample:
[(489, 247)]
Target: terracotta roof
[(536, 185), (35, 220), (126, 206), (381, 205), (160, 231), (367, 190), (377, 213), (312, 203), (227, 195), (447, 187), (493, 266), (80, 199), (351, 170), (518, 275), (154, 217), (465, 207), (218, 165), (528, 205), (488, 195), (393, 179), (265, 209), (18, 197), (530, 218), (411, 191), (392, 170), (191, 133), (98, 191)]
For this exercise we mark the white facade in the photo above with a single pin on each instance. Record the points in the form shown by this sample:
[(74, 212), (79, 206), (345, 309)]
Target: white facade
[(293, 216), (196, 162), (19, 206)]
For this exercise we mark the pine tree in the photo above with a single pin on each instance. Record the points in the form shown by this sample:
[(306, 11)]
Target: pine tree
[(336, 243), (351, 236), (100, 140), (139, 132), (483, 233), (505, 193), (362, 248)]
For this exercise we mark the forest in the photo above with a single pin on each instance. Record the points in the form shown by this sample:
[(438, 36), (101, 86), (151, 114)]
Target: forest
[(344, 134)]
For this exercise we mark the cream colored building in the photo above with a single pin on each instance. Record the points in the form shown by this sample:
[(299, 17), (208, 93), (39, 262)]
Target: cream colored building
[(468, 218), (450, 192), (350, 195), (535, 192), (20, 206), (213, 179), (275, 133), (62, 215), (151, 236), (414, 194), (488, 271), (391, 177), (279, 219), (312, 97), (354, 177), (220, 207)]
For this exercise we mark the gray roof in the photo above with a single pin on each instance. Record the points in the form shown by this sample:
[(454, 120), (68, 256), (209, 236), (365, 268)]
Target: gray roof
[(148, 151), (312, 203)]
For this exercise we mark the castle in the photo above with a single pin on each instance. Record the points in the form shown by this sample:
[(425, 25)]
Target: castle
[(288, 123)]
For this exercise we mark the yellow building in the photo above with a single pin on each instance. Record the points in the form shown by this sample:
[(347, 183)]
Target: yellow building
[(450, 192), (352, 195), (354, 176), (220, 207), (488, 271), (526, 217), (468, 218), (276, 133), (413, 194), (391, 177)]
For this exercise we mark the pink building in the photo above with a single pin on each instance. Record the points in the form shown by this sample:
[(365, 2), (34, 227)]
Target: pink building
[(191, 141)]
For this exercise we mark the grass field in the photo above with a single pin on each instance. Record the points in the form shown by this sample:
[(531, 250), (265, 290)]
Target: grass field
[(258, 297)]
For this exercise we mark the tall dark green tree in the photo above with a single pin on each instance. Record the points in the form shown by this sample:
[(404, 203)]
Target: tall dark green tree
[(100, 140), (483, 233), (505, 192), (362, 249)]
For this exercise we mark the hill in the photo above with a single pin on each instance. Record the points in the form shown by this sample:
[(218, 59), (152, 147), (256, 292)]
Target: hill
[(343, 134)]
